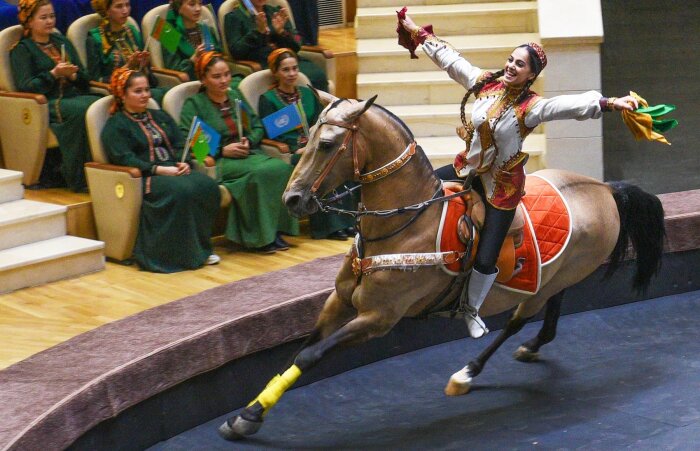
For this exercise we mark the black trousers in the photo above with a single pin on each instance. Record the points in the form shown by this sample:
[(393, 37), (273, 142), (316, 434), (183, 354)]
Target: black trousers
[(306, 19), (496, 225)]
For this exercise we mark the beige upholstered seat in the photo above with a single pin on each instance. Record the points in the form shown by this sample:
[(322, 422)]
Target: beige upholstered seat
[(116, 191), (321, 57), (78, 34)]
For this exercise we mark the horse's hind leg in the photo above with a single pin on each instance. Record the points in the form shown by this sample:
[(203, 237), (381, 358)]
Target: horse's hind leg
[(361, 328), (528, 351), (460, 382)]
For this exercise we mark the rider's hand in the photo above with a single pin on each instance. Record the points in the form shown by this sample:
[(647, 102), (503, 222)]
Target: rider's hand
[(628, 103), (409, 25)]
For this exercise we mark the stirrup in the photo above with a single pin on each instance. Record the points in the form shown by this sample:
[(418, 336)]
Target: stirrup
[(475, 325)]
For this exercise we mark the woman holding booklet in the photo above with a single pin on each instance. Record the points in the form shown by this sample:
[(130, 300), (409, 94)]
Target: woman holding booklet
[(257, 217), (46, 63), (284, 65), (198, 36), (179, 205)]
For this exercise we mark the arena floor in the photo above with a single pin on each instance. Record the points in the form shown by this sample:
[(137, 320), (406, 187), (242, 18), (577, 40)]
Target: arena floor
[(616, 378)]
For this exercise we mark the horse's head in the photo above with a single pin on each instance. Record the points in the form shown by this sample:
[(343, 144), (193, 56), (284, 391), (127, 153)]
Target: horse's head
[(333, 154)]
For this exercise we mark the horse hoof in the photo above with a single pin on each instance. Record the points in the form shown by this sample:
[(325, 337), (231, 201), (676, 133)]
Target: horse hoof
[(238, 428), (459, 384), (523, 354)]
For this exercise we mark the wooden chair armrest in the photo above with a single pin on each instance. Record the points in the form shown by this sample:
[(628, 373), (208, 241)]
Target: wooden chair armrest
[(132, 171), (182, 76), (99, 84), (38, 98), (280, 146), (314, 48)]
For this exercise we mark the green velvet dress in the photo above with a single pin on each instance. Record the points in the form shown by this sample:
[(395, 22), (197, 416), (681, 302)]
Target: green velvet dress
[(103, 60), (178, 212), (191, 39), (246, 43), (68, 100), (321, 224), (256, 182)]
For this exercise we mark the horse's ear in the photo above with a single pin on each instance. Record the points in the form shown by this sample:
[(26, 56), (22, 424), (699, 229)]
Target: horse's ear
[(323, 97), (359, 108)]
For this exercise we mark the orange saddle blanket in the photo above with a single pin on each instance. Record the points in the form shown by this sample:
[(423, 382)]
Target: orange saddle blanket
[(546, 233)]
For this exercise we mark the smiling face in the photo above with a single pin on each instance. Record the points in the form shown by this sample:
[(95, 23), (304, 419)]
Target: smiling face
[(118, 13), (287, 72), (137, 94), (42, 22), (518, 69), (217, 77), (191, 11)]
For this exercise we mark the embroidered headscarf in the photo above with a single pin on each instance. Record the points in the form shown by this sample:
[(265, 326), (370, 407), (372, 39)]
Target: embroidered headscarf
[(27, 8), (274, 58), (200, 65), (120, 77)]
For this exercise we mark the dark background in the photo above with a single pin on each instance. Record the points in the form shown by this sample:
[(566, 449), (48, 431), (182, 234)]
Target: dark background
[(652, 47)]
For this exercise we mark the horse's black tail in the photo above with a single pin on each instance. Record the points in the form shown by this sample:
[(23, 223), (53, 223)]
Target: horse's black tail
[(642, 222)]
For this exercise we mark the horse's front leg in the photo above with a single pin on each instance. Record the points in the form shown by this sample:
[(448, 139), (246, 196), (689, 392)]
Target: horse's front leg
[(460, 382), (361, 328)]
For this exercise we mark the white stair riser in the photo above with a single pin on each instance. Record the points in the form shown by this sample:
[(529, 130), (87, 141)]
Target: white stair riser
[(398, 4), (10, 186), (51, 270), (451, 24), (402, 62), (418, 93), (36, 229)]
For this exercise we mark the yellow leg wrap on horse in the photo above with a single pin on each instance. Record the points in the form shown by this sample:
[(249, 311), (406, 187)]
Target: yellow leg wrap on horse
[(276, 387)]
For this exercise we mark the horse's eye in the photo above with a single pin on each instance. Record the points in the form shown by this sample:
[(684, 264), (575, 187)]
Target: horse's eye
[(324, 145)]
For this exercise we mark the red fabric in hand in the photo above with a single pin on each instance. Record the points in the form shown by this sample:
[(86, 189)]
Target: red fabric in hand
[(405, 39)]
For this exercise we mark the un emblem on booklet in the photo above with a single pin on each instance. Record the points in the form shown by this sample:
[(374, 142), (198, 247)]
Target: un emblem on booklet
[(26, 116), (119, 190)]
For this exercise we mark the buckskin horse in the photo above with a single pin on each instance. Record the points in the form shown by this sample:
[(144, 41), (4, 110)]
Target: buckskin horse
[(365, 142)]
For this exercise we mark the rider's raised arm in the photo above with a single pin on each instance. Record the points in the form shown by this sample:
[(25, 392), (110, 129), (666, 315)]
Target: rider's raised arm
[(572, 106), (449, 60)]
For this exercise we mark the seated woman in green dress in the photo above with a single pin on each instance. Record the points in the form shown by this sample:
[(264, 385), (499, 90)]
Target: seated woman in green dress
[(197, 37), (179, 205), (46, 63), (253, 37), (283, 64), (116, 43), (257, 217)]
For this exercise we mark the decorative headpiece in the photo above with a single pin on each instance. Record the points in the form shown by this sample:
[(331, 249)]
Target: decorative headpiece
[(101, 6), (120, 77), (540, 54), (273, 59), (26, 11), (200, 65)]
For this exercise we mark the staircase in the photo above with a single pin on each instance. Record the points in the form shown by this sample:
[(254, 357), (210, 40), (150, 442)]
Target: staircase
[(423, 96), (34, 247)]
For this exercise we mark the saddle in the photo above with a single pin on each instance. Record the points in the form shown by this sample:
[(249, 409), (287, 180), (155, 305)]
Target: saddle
[(471, 221)]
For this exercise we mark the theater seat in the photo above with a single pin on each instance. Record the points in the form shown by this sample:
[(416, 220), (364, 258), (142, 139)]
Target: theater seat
[(323, 58), (116, 191), (78, 34), (24, 128)]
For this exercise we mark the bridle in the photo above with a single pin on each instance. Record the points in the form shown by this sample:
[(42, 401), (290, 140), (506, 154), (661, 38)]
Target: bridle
[(358, 156)]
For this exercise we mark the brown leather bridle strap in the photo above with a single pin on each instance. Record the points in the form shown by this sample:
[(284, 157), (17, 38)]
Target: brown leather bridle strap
[(336, 156)]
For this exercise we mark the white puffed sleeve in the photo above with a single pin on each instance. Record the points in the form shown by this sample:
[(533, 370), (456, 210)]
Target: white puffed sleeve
[(574, 106), (449, 60)]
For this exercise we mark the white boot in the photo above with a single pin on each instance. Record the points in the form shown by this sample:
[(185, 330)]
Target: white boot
[(479, 286)]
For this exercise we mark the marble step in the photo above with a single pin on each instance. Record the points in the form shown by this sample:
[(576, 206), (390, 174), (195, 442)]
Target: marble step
[(441, 150), (26, 221), (414, 88), (10, 185), (398, 4), (385, 55), (50, 260), (451, 19)]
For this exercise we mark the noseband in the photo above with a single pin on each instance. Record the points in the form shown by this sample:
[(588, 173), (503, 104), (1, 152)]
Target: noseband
[(368, 177)]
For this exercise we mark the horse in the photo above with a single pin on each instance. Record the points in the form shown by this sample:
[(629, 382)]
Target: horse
[(362, 141)]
